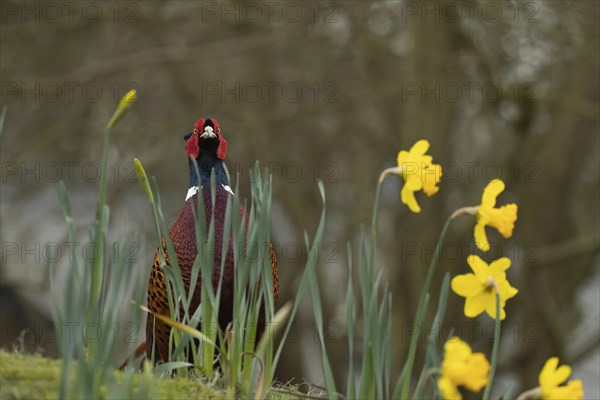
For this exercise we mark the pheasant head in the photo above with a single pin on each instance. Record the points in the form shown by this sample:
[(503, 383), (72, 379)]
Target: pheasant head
[(208, 147)]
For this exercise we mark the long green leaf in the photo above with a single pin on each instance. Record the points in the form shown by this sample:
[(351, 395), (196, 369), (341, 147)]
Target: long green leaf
[(2, 119), (350, 318), (421, 309)]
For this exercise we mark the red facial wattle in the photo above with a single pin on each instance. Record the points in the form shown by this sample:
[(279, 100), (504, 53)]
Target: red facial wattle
[(192, 147), (222, 149)]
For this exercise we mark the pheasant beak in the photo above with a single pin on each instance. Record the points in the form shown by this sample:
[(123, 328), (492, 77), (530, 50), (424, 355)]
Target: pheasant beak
[(208, 133)]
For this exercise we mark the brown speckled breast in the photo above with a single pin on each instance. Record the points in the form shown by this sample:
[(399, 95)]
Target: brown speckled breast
[(183, 235)]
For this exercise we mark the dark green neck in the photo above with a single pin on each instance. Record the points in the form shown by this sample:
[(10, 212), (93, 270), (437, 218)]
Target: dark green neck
[(207, 162)]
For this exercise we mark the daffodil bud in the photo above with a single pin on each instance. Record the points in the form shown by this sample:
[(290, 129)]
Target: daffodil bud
[(125, 103)]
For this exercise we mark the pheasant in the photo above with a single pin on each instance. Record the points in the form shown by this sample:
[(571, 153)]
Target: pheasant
[(208, 147)]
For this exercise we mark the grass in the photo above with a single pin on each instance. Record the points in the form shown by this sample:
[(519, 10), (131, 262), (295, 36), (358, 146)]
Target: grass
[(31, 376), (26, 376)]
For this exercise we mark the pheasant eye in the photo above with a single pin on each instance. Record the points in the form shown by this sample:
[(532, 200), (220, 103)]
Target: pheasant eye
[(196, 131)]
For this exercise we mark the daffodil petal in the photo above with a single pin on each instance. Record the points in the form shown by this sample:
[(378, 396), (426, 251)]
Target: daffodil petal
[(480, 237), (513, 292), (457, 349), (568, 392), (491, 192), (430, 190), (562, 374), (466, 285), (490, 306), (473, 306), (426, 160), (546, 377), (419, 148), (449, 389), (408, 197), (501, 264), (478, 266), (431, 177), (506, 290), (478, 372), (402, 157), (573, 390), (413, 183), (412, 174)]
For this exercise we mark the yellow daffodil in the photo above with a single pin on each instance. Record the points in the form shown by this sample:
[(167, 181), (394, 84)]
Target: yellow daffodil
[(479, 288), (126, 102), (503, 218), (418, 172), (462, 367), (552, 376)]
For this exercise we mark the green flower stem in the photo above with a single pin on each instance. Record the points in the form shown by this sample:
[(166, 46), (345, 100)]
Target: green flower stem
[(412, 350), (488, 388), (375, 220), (99, 234)]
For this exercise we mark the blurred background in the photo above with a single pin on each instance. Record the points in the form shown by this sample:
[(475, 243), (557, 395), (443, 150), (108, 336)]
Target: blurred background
[(319, 90)]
